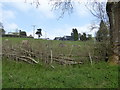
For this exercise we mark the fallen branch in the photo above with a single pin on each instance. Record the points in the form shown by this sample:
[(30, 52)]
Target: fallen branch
[(23, 58), (67, 62), (29, 58), (65, 58), (28, 52)]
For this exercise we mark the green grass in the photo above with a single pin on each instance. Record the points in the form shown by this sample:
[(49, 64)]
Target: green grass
[(40, 45), (22, 75)]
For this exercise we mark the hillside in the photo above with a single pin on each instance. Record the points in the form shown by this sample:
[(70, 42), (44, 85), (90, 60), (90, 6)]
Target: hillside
[(44, 74)]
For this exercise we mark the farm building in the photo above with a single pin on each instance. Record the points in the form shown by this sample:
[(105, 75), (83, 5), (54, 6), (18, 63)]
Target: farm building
[(64, 38)]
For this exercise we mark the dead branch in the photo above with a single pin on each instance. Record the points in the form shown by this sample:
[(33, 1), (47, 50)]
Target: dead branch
[(64, 58), (29, 53), (29, 59), (25, 60), (60, 61)]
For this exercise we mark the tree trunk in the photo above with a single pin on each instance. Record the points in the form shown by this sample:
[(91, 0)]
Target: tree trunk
[(113, 11)]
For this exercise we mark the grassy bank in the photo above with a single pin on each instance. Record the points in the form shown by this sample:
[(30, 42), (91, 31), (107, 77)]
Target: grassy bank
[(22, 75)]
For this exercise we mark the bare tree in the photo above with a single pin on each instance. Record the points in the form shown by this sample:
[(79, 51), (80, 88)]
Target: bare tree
[(65, 6), (34, 2), (98, 9)]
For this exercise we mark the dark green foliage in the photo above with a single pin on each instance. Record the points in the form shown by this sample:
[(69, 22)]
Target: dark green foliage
[(23, 33), (2, 31), (89, 37), (102, 34), (103, 43), (74, 34), (83, 37), (102, 50), (39, 33)]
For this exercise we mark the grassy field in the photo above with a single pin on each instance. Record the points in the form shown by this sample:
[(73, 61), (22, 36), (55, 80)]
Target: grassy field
[(23, 75)]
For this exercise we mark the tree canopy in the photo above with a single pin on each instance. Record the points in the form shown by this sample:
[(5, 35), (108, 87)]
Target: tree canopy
[(74, 34), (102, 34), (39, 33)]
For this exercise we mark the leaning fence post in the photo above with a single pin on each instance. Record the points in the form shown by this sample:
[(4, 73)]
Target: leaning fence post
[(90, 58), (51, 56)]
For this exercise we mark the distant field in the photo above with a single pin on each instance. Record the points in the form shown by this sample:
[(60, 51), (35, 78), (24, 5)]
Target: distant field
[(23, 75), (78, 49)]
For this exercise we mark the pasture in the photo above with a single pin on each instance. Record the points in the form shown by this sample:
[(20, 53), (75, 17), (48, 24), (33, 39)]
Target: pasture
[(54, 72)]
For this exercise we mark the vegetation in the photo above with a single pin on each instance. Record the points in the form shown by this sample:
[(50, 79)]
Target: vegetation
[(22, 75), (89, 74), (76, 50), (99, 10), (18, 74), (23, 33), (83, 37), (103, 42), (74, 34), (102, 34), (89, 37), (2, 31), (39, 33)]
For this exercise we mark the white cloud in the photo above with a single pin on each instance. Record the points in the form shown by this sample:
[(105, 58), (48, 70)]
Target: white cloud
[(81, 9), (1, 13), (29, 33), (10, 27), (15, 0), (56, 0), (8, 14), (5, 14), (86, 29), (43, 9), (22, 6)]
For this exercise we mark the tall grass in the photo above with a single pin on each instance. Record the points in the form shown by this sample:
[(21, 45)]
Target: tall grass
[(77, 50)]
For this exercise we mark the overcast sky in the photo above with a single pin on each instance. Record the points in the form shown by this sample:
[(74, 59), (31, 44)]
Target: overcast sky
[(15, 14)]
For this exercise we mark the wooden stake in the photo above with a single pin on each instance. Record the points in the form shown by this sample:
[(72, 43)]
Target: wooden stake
[(51, 56), (90, 58)]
